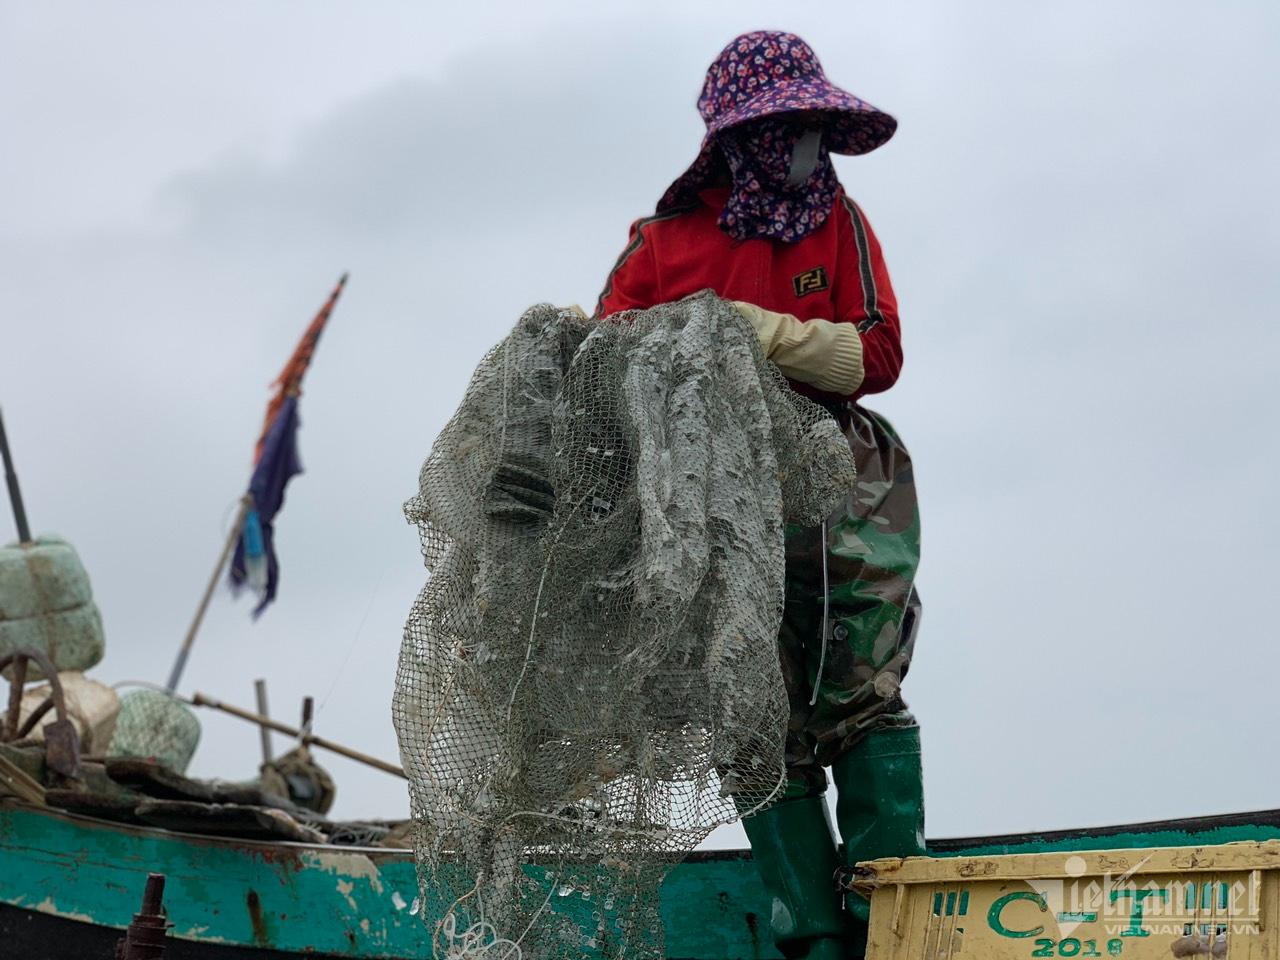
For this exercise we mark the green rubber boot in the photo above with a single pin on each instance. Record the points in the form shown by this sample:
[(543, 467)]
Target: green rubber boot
[(879, 809), (795, 853)]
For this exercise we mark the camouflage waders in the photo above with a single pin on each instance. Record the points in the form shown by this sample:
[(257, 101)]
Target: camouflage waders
[(873, 611), (847, 710)]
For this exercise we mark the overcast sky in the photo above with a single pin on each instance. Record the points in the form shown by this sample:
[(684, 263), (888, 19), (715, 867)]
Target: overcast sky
[(1079, 212)]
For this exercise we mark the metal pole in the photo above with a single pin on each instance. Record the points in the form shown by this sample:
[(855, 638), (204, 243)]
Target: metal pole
[(180, 663), (15, 493), (260, 694), (200, 700), (308, 708), (144, 939)]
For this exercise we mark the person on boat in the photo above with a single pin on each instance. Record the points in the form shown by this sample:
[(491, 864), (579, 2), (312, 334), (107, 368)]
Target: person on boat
[(761, 219)]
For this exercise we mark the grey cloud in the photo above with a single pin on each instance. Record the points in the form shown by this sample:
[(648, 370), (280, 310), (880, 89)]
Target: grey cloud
[(1079, 216)]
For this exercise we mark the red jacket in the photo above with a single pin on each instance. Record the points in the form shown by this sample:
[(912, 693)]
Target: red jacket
[(835, 273)]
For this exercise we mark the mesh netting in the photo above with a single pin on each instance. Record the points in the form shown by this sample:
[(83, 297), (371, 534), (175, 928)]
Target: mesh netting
[(589, 680), (46, 605), (154, 724)]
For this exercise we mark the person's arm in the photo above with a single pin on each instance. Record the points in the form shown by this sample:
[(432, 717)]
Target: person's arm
[(864, 298), (859, 351), (819, 352), (633, 281)]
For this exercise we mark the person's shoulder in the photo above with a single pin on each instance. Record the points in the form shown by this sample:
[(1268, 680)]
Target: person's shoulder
[(662, 221), (854, 211), (850, 215)]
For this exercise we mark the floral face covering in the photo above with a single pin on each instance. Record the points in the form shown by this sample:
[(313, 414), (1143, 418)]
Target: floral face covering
[(764, 201)]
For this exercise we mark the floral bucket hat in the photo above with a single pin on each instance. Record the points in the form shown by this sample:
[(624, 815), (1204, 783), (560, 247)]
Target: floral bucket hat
[(769, 72)]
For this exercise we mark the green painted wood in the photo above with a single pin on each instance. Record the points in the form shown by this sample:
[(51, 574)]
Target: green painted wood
[(1196, 831), (306, 898), (358, 903), (286, 896)]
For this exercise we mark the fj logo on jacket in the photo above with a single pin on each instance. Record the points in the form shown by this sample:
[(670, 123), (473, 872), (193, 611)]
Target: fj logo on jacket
[(811, 281)]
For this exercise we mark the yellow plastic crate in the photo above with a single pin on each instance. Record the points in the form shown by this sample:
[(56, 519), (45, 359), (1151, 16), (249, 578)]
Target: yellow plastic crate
[(1145, 904)]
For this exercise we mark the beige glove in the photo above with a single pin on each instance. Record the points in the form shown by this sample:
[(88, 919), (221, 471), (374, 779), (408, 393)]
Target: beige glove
[(819, 352)]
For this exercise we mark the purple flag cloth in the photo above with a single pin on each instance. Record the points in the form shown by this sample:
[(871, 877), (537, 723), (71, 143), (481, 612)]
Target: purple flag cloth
[(278, 464)]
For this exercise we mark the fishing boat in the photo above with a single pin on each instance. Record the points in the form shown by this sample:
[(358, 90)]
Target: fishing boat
[(70, 884)]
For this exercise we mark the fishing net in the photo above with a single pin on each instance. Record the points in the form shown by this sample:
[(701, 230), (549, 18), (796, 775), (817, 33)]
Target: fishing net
[(46, 605), (153, 724), (589, 680)]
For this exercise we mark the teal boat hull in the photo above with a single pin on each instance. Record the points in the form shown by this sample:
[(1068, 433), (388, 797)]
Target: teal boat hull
[(70, 884)]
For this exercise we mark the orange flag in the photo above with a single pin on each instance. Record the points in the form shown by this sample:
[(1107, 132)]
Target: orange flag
[(289, 383)]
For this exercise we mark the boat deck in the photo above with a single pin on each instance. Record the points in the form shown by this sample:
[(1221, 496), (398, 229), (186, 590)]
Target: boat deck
[(69, 884)]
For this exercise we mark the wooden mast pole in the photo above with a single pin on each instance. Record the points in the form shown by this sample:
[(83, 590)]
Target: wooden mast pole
[(289, 383), (180, 662)]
